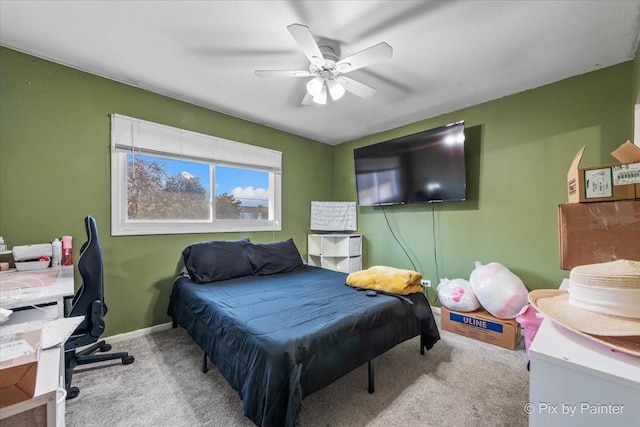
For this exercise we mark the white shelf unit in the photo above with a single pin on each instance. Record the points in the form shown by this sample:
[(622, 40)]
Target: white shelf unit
[(339, 252)]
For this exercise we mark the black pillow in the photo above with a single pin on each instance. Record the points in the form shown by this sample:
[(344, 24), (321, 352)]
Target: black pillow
[(216, 260), (273, 258)]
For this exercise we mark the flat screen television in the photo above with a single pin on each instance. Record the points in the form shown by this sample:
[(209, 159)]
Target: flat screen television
[(424, 167)]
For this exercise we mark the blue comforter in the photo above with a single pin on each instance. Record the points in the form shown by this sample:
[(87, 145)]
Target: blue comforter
[(278, 338)]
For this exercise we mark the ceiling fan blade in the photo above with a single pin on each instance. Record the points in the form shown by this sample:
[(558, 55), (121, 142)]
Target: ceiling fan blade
[(304, 38), (369, 56), (307, 100), (357, 88), (283, 73)]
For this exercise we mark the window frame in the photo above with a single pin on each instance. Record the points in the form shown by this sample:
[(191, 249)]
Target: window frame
[(143, 137)]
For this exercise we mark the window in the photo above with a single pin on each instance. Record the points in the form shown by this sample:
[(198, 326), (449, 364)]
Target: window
[(166, 180)]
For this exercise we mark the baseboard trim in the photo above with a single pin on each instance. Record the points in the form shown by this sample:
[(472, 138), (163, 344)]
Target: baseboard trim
[(138, 333)]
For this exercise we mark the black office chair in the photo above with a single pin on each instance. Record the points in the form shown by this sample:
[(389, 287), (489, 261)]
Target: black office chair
[(89, 302)]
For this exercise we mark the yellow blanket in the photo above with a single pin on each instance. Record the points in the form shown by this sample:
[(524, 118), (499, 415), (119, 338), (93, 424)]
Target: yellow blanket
[(386, 279)]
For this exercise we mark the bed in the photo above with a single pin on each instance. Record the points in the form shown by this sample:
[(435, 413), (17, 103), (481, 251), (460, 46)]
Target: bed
[(279, 334)]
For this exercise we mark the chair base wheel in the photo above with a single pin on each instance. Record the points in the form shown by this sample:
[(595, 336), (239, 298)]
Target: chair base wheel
[(105, 347), (72, 392), (128, 360)]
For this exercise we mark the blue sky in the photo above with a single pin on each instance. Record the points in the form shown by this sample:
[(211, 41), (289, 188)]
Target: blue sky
[(247, 185)]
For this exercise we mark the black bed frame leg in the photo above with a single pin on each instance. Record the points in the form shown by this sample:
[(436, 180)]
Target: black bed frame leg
[(422, 344), (174, 323), (371, 383), (204, 363)]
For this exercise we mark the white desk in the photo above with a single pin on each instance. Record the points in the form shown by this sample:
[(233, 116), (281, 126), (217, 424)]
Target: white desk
[(48, 390), (56, 292), (575, 381)]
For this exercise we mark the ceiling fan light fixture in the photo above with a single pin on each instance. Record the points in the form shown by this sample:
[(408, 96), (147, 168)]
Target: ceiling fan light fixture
[(315, 86), (321, 98), (343, 67), (336, 90), (325, 66)]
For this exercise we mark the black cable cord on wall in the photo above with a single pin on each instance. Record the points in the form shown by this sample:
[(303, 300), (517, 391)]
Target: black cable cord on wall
[(407, 254), (398, 241), (435, 252), (433, 232)]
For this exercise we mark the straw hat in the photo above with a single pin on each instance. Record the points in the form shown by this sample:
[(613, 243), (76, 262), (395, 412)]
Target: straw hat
[(602, 303)]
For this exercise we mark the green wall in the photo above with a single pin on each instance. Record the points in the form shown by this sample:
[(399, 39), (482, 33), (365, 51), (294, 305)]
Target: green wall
[(519, 149), (636, 76), (55, 170)]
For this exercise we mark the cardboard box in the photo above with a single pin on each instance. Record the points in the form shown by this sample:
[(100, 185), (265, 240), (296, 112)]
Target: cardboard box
[(590, 233), (19, 354), (629, 171), (482, 326), (607, 182)]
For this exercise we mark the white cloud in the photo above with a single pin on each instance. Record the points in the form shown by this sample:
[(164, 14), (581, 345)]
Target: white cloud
[(187, 175), (250, 194)]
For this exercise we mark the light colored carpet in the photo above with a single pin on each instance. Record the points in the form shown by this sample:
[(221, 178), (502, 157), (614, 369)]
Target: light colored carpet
[(460, 382)]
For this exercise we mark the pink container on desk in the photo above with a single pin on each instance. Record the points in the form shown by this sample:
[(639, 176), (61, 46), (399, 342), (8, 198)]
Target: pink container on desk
[(67, 251), (530, 322)]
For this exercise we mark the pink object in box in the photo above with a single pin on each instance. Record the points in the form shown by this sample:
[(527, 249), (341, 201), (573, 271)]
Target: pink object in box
[(530, 322)]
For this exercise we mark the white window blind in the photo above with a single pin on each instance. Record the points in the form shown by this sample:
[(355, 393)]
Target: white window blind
[(137, 135)]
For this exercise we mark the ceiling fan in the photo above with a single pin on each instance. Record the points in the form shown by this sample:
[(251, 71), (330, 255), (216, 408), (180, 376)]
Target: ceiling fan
[(327, 69)]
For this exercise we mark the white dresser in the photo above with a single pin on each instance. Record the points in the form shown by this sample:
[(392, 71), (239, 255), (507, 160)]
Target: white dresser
[(577, 382)]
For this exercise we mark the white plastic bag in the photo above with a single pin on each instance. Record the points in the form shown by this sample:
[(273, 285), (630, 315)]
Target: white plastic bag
[(500, 292), (457, 295)]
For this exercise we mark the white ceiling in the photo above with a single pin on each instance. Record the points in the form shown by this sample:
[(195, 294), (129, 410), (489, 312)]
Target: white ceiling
[(447, 55)]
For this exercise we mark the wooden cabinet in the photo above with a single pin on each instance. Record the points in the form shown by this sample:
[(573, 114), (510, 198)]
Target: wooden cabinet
[(339, 252)]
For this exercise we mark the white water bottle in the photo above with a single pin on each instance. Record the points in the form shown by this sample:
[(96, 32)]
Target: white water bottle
[(56, 256)]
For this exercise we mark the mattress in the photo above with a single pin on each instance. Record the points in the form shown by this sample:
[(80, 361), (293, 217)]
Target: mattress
[(278, 338)]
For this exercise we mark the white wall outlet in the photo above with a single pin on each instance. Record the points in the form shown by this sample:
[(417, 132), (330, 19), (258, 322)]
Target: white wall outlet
[(425, 283)]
